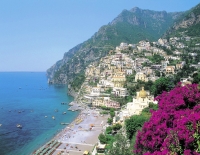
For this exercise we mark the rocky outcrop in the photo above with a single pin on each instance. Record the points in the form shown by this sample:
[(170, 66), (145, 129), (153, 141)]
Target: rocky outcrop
[(188, 24)]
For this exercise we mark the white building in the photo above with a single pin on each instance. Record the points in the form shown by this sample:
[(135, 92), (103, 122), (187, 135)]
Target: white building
[(122, 92), (135, 107), (95, 91)]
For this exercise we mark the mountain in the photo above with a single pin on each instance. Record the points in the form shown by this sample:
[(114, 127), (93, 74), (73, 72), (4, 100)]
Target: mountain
[(188, 24), (129, 26)]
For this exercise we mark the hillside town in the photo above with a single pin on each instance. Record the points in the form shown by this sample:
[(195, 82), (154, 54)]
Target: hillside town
[(106, 80)]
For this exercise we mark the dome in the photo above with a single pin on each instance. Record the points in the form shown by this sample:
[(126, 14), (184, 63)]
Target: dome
[(142, 93)]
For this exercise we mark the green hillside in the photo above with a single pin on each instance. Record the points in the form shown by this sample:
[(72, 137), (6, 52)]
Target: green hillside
[(129, 26)]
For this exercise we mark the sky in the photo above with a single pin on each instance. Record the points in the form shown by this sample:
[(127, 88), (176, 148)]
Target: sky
[(34, 34)]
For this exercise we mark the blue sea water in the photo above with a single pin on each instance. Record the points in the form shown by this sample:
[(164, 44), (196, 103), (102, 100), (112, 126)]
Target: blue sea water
[(26, 98)]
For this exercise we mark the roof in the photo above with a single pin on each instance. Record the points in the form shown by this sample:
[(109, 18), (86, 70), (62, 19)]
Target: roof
[(101, 146), (85, 152)]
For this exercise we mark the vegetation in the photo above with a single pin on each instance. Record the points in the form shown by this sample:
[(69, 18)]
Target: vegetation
[(174, 127), (133, 124), (161, 85), (121, 146), (108, 37), (156, 58), (78, 81)]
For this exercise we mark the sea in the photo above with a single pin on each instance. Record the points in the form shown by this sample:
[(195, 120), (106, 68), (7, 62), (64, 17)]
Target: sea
[(27, 99)]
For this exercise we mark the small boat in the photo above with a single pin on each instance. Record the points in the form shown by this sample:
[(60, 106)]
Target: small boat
[(53, 117), (45, 116), (56, 110), (0, 124), (19, 126), (64, 113), (64, 123)]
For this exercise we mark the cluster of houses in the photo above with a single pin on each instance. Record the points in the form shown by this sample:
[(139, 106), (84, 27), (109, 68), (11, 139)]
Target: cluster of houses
[(108, 77), (111, 76)]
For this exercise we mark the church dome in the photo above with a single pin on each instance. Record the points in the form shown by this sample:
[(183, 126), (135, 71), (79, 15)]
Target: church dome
[(142, 93)]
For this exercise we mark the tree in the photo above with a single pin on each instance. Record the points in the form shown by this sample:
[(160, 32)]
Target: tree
[(116, 127), (102, 138), (110, 120), (157, 73), (134, 123), (161, 85), (196, 77), (120, 146), (109, 130), (112, 113)]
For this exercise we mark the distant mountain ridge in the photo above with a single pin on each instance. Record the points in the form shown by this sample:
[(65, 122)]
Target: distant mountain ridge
[(187, 24), (129, 26)]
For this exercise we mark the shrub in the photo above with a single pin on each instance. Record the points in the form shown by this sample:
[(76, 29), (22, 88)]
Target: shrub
[(175, 127)]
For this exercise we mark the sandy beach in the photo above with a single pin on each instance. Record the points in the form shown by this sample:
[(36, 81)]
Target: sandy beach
[(79, 136)]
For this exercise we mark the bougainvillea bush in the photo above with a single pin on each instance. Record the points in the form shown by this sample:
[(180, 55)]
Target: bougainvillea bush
[(174, 129)]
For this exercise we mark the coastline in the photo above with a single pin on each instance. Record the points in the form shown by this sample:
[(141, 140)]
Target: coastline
[(78, 136)]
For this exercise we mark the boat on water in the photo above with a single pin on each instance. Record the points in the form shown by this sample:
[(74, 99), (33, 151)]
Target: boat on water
[(64, 113), (53, 117), (0, 124), (45, 116), (64, 123), (19, 126)]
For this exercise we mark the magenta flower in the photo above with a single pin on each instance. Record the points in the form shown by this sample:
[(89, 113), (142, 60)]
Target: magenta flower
[(175, 127)]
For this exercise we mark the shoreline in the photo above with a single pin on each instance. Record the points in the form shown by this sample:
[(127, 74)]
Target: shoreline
[(78, 136), (54, 135)]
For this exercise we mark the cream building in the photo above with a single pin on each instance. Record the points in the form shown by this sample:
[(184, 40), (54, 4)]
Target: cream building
[(170, 69), (105, 101), (135, 107), (119, 79), (141, 76)]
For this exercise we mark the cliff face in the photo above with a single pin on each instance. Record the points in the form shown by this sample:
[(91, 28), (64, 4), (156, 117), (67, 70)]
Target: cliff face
[(188, 24), (129, 26)]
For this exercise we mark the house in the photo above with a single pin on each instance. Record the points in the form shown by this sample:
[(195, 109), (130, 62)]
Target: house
[(85, 153), (97, 102), (147, 54), (185, 81), (100, 148), (192, 54), (169, 69), (179, 66), (164, 64), (141, 76), (129, 71), (118, 79), (147, 70), (112, 104), (177, 52), (162, 42), (135, 107), (95, 91), (105, 83), (156, 66), (121, 92)]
